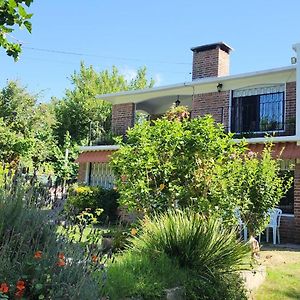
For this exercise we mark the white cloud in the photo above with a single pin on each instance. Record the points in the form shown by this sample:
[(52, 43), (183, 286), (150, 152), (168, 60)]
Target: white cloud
[(131, 73), (158, 79), (128, 73)]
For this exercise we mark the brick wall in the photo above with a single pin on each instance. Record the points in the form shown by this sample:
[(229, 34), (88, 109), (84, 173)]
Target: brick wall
[(82, 172), (297, 202), (287, 230), (122, 117), (215, 104), (290, 108), (210, 63)]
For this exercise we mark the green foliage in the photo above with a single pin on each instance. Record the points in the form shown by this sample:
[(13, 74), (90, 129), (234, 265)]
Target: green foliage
[(63, 162), (12, 14), (195, 241), (171, 163), (81, 113), (175, 162), (47, 265), (84, 197), (25, 127), (135, 275), (179, 249), (178, 113), (260, 185), (222, 286)]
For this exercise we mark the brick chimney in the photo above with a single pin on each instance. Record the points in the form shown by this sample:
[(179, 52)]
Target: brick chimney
[(211, 60)]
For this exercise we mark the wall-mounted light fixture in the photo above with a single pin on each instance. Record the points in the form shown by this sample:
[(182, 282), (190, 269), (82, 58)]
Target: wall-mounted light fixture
[(177, 102), (293, 60), (219, 87)]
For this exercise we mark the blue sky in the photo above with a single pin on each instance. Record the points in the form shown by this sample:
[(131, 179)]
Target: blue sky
[(155, 34)]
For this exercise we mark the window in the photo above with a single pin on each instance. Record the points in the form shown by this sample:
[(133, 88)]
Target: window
[(287, 202), (258, 110), (101, 174)]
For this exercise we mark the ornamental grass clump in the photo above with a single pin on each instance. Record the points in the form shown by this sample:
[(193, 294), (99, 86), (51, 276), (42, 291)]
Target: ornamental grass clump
[(195, 241), (180, 249)]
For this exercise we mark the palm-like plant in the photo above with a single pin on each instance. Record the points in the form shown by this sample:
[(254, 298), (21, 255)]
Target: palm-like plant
[(195, 241)]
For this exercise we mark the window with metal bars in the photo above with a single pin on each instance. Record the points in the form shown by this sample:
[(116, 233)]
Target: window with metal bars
[(257, 113), (101, 174)]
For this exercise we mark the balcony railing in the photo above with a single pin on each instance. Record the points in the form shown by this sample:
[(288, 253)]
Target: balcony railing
[(259, 129), (286, 129)]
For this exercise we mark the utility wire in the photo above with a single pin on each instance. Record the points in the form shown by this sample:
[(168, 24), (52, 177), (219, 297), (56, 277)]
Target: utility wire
[(25, 57), (100, 56)]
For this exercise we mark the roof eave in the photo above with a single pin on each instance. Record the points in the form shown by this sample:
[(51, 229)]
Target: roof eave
[(197, 82)]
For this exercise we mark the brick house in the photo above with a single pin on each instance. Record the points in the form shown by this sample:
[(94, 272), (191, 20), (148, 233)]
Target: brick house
[(249, 105)]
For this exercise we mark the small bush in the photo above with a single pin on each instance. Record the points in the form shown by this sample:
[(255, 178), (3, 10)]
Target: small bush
[(133, 274), (137, 275), (180, 248), (195, 241), (84, 197)]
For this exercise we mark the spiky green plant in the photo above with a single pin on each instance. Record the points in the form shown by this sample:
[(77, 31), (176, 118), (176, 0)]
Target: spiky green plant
[(194, 241)]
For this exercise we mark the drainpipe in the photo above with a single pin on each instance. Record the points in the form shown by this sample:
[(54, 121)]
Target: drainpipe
[(296, 48)]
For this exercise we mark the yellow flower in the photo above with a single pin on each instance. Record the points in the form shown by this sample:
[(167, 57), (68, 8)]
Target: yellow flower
[(161, 186), (133, 231)]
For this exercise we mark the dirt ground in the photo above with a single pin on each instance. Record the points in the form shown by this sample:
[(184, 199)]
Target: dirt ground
[(279, 255)]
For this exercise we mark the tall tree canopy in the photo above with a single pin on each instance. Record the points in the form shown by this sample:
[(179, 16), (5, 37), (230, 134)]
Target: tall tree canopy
[(25, 126), (12, 14), (80, 109)]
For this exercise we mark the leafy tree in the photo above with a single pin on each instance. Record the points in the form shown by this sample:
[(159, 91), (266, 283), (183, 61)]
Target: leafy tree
[(12, 14), (64, 162), (179, 163), (80, 111), (259, 184), (26, 127)]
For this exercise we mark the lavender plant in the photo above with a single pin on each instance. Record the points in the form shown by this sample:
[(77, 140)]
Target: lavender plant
[(36, 262)]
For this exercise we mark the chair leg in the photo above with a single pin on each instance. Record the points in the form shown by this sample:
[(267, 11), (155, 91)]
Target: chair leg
[(245, 233), (241, 231), (278, 235), (274, 235), (267, 235), (259, 237)]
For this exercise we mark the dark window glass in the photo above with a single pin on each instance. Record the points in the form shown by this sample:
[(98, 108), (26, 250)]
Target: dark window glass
[(257, 113), (286, 204)]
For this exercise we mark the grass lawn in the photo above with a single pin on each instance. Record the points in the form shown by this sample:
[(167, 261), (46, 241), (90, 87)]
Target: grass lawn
[(283, 275)]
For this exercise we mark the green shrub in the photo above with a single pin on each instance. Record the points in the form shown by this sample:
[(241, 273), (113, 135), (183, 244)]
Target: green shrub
[(35, 262), (195, 241), (174, 162), (222, 286), (84, 197), (137, 275), (180, 248), (133, 274)]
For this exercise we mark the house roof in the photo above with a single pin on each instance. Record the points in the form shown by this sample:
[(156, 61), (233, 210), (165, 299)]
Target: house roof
[(282, 150), (97, 155), (158, 100)]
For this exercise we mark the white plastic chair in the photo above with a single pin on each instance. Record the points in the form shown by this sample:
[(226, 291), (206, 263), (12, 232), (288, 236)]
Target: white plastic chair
[(242, 225), (275, 217)]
